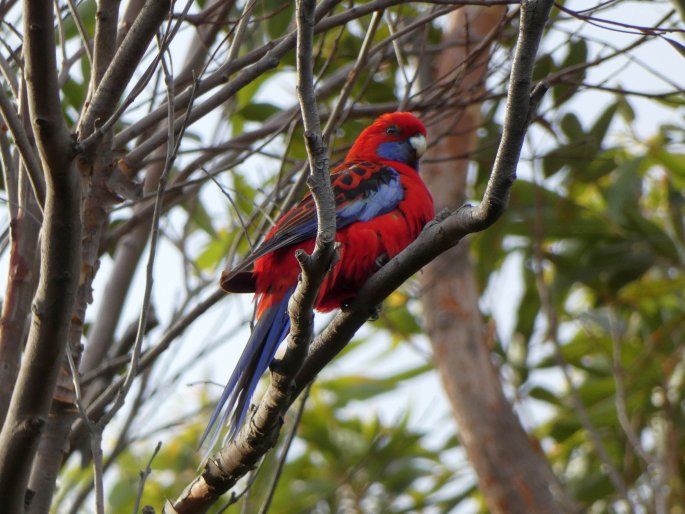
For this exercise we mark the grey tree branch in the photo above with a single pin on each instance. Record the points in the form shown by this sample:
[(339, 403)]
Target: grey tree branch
[(105, 39), (27, 152), (123, 65), (25, 221), (59, 271)]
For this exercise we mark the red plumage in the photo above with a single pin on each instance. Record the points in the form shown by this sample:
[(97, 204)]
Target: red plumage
[(381, 206), (361, 243)]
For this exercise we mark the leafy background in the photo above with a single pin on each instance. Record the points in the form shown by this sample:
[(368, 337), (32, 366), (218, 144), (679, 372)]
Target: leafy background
[(582, 285)]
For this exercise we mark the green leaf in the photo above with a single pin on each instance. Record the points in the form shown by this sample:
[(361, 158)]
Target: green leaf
[(601, 126), (624, 193), (257, 111), (86, 11), (359, 387), (544, 395), (577, 54), (572, 127), (278, 22)]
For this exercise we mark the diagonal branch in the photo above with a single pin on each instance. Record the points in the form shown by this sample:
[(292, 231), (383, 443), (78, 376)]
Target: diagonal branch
[(449, 228), (123, 65), (26, 151)]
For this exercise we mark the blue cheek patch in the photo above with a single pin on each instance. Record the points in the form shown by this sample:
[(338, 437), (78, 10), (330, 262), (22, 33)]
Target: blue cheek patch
[(400, 151)]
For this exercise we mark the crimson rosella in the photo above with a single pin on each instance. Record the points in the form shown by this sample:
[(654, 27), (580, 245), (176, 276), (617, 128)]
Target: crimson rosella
[(381, 206)]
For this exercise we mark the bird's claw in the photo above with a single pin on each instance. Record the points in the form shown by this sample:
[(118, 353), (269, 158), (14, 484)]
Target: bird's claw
[(381, 261), (439, 218), (375, 312)]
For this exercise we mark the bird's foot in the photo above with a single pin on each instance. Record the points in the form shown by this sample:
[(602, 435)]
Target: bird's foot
[(381, 261), (439, 218), (375, 312)]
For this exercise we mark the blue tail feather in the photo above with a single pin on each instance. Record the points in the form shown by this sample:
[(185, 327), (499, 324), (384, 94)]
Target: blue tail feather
[(234, 403)]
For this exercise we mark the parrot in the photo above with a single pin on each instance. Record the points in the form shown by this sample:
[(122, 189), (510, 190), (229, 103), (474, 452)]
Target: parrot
[(381, 205)]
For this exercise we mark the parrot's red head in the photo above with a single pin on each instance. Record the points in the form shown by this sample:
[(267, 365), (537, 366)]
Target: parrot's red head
[(396, 136)]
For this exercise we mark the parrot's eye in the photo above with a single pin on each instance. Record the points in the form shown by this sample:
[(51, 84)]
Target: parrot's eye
[(393, 130)]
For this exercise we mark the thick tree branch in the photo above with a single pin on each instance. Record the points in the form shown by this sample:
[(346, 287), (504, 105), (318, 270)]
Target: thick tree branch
[(105, 39), (59, 272), (25, 223), (21, 284)]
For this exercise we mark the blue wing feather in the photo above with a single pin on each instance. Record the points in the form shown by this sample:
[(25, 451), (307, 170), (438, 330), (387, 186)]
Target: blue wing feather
[(259, 351), (363, 190)]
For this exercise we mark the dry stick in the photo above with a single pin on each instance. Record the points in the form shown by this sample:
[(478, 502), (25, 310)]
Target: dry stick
[(26, 151), (143, 477)]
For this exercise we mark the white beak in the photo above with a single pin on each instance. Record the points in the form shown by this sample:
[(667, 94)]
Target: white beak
[(418, 142)]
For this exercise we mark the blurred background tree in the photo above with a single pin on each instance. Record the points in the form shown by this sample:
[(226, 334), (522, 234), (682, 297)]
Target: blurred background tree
[(558, 332)]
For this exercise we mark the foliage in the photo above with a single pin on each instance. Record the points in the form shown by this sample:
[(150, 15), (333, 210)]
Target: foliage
[(600, 315), (594, 229)]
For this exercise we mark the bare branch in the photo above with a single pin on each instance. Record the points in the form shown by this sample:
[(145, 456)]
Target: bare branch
[(59, 276), (27, 152), (105, 39), (143, 477), (260, 432), (123, 65)]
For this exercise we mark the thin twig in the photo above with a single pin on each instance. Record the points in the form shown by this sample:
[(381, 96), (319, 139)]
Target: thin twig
[(26, 150), (81, 31), (173, 146), (143, 477)]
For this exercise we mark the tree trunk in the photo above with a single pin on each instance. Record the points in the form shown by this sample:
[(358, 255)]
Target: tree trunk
[(513, 474)]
